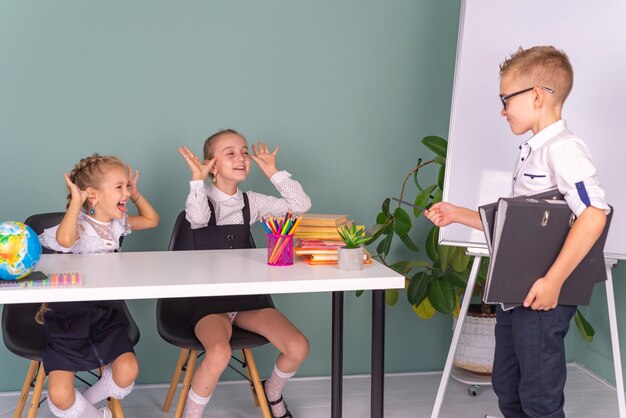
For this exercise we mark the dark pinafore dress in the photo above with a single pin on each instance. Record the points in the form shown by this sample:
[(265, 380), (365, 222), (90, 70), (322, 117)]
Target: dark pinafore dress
[(219, 237), (83, 336)]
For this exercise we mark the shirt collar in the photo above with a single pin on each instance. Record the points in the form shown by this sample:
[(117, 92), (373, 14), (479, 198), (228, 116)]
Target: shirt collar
[(546, 134), (216, 195)]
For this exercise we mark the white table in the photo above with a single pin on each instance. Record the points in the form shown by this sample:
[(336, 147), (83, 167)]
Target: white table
[(168, 274)]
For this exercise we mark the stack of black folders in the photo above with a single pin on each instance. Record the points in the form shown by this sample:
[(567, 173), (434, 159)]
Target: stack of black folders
[(525, 235)]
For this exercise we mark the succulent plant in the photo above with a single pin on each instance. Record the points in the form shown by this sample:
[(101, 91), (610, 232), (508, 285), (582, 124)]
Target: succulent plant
[(353, 236)]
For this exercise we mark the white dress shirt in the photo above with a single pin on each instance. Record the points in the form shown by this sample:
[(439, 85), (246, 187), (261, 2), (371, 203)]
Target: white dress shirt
[(557, 157), (228, 208)]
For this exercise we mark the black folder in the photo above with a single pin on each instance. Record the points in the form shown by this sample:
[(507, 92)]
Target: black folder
[(488, 212), (526, 237)]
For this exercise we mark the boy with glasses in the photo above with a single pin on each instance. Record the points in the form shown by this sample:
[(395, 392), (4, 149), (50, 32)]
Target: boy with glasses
[(529, 368)]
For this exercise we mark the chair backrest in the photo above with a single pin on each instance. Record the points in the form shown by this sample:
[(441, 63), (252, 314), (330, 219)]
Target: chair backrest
[(41, 221), (182, 235)]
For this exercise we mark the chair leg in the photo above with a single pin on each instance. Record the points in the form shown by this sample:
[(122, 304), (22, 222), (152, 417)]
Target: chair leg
[(182, 358), (182, 400), (34, 401), (30, 375), (256, 380), (247, 369), (116, 407)]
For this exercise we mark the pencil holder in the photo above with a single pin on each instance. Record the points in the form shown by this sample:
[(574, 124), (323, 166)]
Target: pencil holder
[(279, 250)]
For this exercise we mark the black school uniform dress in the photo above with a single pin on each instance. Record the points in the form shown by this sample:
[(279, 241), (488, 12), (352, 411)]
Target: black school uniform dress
[(219, 237), (86, 335)]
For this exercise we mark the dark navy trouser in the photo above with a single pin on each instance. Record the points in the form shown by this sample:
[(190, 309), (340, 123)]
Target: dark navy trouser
[(529, 368)]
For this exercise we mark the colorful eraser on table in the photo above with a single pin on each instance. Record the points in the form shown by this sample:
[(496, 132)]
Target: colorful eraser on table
[(39, 279)]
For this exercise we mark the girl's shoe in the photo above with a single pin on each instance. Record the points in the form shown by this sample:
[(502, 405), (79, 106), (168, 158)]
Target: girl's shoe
[(287, 414)]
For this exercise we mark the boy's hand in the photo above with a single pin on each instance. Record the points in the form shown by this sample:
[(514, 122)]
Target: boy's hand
[(544, 295), (199, 170), (440, 213), (132, 183), (265, 159), (77, 195)]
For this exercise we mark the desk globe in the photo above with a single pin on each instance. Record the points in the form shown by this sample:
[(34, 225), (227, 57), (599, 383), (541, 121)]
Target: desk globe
[(20, 250)]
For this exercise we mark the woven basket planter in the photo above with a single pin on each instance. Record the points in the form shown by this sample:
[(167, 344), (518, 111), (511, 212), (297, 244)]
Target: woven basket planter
[(477, 343)]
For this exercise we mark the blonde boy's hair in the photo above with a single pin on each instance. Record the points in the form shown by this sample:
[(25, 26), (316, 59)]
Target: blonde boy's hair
[(541, 66)]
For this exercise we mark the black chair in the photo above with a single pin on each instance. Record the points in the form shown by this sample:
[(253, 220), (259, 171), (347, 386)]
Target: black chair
[(174, 327), (25, 337)]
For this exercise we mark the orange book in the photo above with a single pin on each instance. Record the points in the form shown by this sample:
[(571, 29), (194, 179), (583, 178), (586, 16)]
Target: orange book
[(316, 228), (316, 219)]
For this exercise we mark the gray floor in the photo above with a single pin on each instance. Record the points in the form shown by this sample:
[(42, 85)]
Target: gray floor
[(406, 395)]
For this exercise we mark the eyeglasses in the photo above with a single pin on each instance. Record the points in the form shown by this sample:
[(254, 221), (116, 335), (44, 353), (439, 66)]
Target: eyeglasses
[(505, 99)]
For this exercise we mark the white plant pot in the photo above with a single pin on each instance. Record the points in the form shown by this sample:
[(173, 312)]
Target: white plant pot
[(350, 259), (477, 343)]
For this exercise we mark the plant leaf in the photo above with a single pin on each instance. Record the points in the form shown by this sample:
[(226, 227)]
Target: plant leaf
[(444, 251), (422, 199), (456, 279), (409, 243), (384, 245), (440, 160), (441, 295), (374, 232), (404, 267), (438, 196), (584, 327), (424, 310), (386, 204), (431, 243), (440, 178), (382, 218), (402, 224), (460, 261), (436, 144), (418, 287), (391, 296)]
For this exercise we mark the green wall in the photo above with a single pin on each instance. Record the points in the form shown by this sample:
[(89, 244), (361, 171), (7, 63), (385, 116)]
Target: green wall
[(346, 88)]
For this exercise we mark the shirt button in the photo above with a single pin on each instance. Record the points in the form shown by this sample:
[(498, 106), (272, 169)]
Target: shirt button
[(230, 237), (522, 158)]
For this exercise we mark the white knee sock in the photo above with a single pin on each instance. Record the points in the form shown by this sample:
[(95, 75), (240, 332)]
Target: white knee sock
[(105, 387), (79, 409), (195, 404), (274, 389)]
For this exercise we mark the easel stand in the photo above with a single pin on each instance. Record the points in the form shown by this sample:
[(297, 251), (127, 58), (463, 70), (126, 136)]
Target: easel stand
[(478, 254)]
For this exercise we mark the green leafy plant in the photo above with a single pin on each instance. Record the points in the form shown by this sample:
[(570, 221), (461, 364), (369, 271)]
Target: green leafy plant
[(436, 282), (353, 236)]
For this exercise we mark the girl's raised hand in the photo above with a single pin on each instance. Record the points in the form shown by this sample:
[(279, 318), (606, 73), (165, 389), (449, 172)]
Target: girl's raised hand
[(132, 183), (265, 159), (77, 195), (199, 170)]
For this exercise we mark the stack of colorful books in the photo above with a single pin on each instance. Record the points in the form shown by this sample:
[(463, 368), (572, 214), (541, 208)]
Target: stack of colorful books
[(317, 239)]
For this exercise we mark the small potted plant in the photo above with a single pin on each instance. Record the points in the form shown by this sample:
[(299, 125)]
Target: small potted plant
[(350, 257)]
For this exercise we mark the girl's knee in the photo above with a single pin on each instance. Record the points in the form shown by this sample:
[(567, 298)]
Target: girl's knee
[(61, 394), (217, 356), (125, 369), (298, 348)]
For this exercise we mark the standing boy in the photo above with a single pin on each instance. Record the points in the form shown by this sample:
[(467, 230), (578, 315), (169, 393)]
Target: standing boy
[(529, 366)]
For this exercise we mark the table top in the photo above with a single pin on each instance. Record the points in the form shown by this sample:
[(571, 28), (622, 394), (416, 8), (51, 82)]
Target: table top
[(166, 274)]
